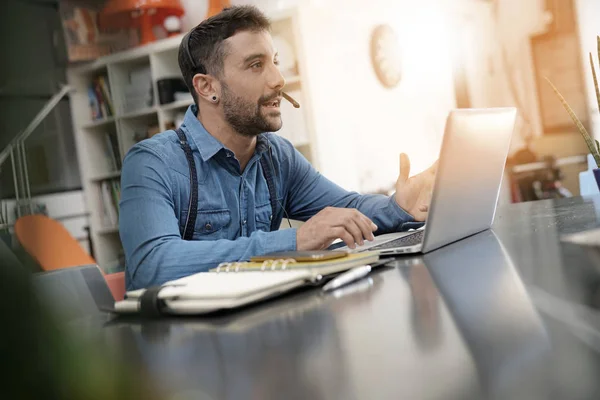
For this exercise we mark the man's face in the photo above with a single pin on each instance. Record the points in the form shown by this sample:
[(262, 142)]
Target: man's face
[(251, 84)]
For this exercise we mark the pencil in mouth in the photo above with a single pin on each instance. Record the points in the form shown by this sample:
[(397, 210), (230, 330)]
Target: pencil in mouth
[(290, 99)]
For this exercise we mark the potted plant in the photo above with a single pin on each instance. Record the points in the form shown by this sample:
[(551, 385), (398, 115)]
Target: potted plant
[(592, 145)]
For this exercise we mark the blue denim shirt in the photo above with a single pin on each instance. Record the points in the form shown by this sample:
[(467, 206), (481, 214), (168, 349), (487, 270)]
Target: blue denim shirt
[(234, 209)]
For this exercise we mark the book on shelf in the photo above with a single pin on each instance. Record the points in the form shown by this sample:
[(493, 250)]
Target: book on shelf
[(110, 195), (116, 193), (105, 92), (100, 99), (111, 151)]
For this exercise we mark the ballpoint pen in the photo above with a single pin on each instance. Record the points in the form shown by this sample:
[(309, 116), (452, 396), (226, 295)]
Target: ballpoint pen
[(351, 275)]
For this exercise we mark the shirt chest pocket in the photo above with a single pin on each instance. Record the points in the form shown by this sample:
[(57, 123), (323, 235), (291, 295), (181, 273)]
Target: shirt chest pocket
[(211, 225), (264, 215)]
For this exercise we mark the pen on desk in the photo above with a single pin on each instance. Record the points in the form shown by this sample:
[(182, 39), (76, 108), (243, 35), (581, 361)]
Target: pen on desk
[(351, 275)]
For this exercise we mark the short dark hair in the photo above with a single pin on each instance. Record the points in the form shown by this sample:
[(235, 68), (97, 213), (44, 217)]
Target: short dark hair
[(204, 43)]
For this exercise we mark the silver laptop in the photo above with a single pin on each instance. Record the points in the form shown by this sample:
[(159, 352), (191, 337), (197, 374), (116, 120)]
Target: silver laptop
[(467, 183)]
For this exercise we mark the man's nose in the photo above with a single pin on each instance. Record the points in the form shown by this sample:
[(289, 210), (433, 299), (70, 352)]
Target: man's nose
[(276, 81)]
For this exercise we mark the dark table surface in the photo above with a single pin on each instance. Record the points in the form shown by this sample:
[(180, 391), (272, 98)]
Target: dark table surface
[(508, 313)]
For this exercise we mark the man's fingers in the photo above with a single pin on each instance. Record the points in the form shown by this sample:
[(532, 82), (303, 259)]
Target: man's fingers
[(350, 225), (342, 233), (365, 225), (355, 231), (404, 168), (363, 230), (368, 227)]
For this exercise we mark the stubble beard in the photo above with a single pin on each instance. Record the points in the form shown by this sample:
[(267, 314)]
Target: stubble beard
[(246, 117)]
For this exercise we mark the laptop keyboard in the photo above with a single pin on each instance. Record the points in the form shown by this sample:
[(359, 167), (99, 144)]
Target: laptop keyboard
[(409, 240)]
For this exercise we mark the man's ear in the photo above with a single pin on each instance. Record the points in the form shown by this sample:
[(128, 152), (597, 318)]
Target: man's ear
[(206, 86)]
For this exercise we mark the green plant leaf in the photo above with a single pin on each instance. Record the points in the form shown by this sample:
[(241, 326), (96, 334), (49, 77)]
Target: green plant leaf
[(586, 136)]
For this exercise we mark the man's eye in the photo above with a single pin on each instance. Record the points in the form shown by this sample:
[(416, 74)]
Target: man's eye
[(256, 65)]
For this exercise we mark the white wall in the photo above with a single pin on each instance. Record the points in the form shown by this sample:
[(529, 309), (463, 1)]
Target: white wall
[(362, 126)]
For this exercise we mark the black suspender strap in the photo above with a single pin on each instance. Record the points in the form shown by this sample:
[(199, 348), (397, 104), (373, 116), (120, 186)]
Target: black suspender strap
[(271, 186), (188, 230), (190, 222)]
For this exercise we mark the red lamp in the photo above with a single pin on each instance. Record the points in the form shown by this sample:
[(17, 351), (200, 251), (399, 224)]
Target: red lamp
[(142, 14)]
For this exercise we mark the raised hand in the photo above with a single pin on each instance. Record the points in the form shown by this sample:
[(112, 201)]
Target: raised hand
[(413, 194)]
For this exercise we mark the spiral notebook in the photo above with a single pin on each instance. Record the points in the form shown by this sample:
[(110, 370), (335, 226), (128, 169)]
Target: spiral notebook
[(232, 285), (324, 267)]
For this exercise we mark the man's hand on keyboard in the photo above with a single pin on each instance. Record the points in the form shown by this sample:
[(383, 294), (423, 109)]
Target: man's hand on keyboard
[(332, 223)]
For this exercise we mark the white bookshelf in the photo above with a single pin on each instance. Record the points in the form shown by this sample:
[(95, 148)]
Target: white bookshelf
[(160, 58)]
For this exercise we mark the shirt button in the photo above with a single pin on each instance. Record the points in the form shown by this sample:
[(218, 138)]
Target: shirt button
[(208, 227), (244, 222), (271, 217)]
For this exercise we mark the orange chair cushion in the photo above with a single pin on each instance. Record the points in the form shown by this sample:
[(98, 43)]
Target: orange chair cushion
[(49, 243), (116, 284)]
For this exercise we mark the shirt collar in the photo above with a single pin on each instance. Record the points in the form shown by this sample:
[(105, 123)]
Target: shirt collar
[(206, 143)]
